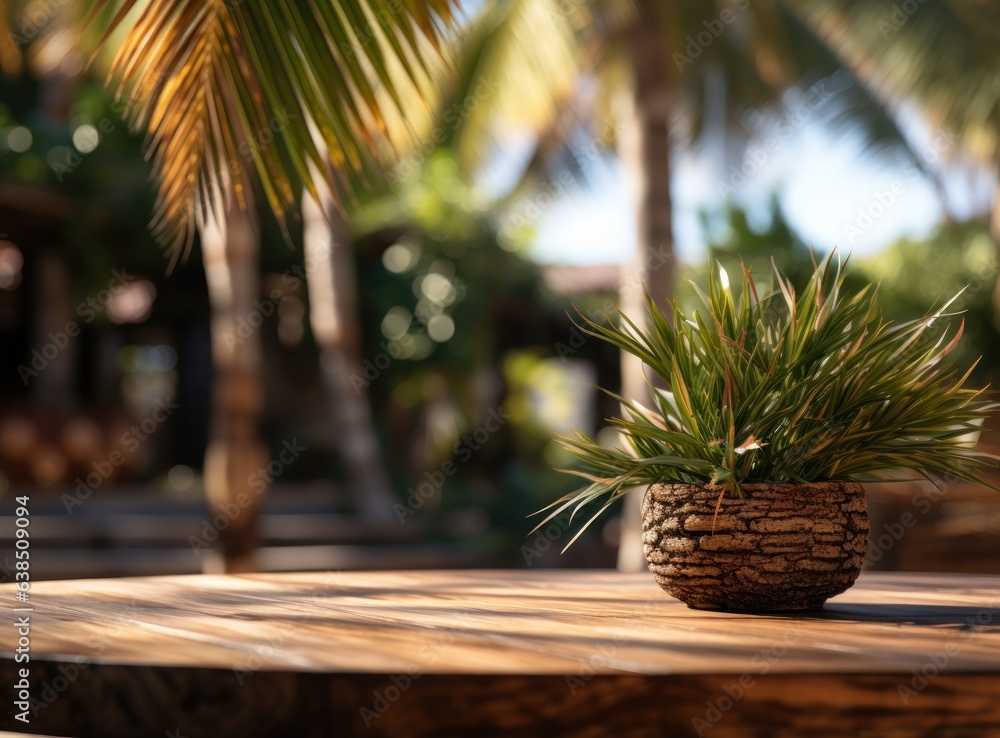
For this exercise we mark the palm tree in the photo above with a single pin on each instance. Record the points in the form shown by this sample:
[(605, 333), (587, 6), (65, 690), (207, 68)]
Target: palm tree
[(208, 78), (228, 90), (335, 318), (669, 63), (229, 247), (942, 55)]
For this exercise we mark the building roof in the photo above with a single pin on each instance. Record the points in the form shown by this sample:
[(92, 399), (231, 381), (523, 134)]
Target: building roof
[(569, 279)]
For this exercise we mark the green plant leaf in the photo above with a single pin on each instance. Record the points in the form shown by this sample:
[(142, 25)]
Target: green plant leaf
[(786, 387)]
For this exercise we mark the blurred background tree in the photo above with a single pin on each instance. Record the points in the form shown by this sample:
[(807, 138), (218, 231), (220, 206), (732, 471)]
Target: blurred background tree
[(414, 308), (219, 87), (657, 75)]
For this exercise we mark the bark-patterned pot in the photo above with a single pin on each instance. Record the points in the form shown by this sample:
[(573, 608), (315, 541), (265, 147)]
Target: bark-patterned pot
[(779, 547)]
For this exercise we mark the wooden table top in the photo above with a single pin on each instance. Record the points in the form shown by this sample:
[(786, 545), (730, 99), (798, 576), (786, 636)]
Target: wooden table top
[(238, 641), (508, 622)]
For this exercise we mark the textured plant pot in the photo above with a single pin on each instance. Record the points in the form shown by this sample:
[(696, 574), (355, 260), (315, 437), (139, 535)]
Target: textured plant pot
[(780, 547)]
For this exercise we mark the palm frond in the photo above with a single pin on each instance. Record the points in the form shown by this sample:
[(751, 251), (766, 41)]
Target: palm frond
[(941, 55), (226, 89), (10, 51), (507, 78)]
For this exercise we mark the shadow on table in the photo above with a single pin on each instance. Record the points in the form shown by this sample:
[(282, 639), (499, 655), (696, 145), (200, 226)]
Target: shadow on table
[(962, 617)]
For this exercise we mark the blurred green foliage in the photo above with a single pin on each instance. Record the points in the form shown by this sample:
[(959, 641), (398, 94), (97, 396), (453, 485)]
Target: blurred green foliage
[(915, 276), (107, 188), (733, 240), (457, 326)]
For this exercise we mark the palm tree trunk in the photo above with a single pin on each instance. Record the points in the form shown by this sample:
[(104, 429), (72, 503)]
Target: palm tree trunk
[(235, 453), (645, 152), (335, 320), (995, 232)]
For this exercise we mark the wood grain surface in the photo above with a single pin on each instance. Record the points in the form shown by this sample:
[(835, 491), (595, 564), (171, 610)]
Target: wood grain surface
[(587, 653)]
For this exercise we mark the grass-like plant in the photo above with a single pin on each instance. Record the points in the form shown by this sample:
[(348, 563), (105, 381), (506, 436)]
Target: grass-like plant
[(776, 387)]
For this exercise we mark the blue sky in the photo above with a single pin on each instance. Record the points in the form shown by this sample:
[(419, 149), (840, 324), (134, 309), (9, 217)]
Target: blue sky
[(826, 182)]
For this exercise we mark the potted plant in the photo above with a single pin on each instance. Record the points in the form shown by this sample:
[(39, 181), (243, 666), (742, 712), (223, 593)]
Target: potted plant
[(773, 409)]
